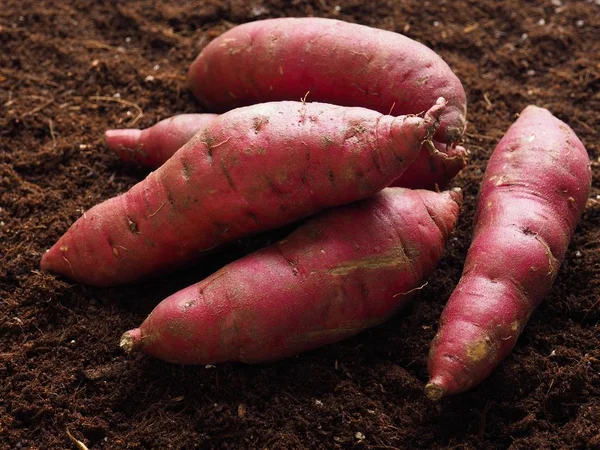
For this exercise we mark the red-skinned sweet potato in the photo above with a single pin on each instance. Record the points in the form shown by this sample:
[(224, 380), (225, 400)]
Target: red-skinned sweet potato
[(434, 170), (251, 169), (337, 62), (153, 146), (535, 188), (342, 271)]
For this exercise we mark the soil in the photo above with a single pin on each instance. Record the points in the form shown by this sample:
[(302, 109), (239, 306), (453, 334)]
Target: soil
[(71, 69)]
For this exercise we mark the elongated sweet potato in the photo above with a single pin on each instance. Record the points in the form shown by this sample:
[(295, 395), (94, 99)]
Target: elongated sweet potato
[(337, 62), (534, 191), (153, 146), (251, 169), (345, 270)]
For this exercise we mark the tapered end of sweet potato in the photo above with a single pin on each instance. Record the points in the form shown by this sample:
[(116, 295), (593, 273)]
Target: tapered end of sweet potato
[(123, 142), (46, 261), (406, 128), (55, 261), (434, 392), (434, 167), (433, 116), (443, 208), (131, 340)]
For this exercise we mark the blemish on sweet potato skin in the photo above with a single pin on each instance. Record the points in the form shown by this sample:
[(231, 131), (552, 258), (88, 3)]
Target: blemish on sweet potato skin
[(396, 258), (481, 350)]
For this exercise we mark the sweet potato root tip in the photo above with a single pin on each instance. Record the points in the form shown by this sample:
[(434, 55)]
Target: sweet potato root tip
[(433, 115), (434, 392), (436, 165), (127, 138), (153, 146), (131, 340)]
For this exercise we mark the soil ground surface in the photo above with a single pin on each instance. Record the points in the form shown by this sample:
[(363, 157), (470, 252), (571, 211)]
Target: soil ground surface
[(71, 69)]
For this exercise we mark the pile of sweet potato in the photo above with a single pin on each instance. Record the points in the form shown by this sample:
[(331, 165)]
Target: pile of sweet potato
[(358, 129)]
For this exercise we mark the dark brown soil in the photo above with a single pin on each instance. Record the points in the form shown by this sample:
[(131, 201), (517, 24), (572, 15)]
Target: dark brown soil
[(71, 69)]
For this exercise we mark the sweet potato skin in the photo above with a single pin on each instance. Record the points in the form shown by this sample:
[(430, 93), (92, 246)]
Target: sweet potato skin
[(152, 146), (532, 196), (347, 269), (251, 169), (337, 62), (434, 170)]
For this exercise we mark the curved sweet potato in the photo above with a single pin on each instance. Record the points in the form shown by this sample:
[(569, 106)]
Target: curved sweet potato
[(345, 270), (250, 170), (535, 188), (337, 62)]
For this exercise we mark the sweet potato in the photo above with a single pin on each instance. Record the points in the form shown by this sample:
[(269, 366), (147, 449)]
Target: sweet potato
[(532, 196), (153, 146), (251, 169), (432, 170), (345, 270), (337, 62)]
